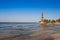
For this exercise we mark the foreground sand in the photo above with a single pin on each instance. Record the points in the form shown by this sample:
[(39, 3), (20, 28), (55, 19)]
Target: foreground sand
[(44, 33)]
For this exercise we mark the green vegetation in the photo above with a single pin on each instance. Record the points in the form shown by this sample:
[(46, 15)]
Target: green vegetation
[(58, 20), (52, 21), (46, 20)]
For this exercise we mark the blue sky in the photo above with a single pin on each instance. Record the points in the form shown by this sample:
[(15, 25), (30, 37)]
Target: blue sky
[(28, 10)]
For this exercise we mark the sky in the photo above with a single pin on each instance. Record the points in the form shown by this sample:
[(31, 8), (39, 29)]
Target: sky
[(28, 10)]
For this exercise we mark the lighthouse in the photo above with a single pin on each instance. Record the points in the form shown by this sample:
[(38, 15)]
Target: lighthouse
[(42, 19)]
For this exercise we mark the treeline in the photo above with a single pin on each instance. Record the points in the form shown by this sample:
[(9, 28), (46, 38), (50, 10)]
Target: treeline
[(52, 21)]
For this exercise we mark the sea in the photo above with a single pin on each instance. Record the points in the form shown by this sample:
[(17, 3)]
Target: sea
[(28, 31)]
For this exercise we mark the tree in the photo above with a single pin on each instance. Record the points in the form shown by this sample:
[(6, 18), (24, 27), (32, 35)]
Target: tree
[(46, 20), (53, 21), (49, 21), (58, 20)]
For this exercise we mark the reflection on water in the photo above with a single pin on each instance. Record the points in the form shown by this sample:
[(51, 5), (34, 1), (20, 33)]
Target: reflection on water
[(29, 31)]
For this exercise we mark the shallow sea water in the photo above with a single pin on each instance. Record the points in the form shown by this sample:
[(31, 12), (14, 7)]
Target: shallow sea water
[(28, 31)]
